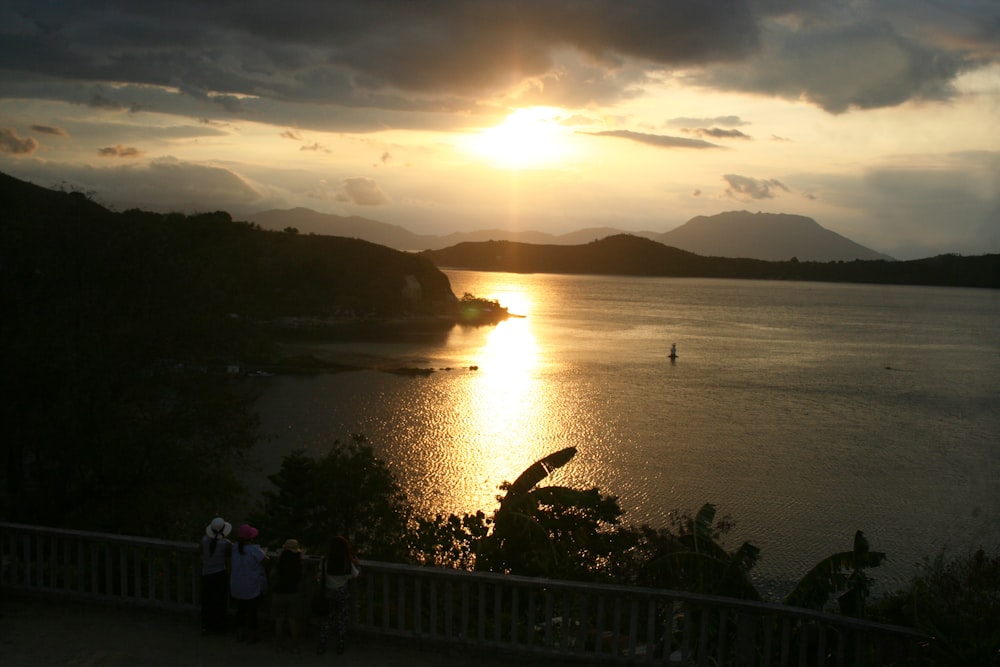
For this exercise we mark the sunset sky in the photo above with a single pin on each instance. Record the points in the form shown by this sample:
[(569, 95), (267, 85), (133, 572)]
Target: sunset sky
[(880, 119)]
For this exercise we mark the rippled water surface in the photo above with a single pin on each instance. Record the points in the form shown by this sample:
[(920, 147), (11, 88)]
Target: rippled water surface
[(805, 411)]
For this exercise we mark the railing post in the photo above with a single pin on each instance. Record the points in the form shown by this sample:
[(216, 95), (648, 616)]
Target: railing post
[(418, 606)]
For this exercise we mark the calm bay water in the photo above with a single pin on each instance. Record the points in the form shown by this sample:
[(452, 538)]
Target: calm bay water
[(805, 411)]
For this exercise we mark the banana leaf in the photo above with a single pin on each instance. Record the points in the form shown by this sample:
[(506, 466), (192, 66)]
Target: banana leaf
[(838, 573), (535, 473)]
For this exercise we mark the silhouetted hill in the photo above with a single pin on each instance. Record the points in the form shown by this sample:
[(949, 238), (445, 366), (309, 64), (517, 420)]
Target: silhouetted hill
[(621, 254), (769, 236), (636, 256), (733, 234), (181, 279)]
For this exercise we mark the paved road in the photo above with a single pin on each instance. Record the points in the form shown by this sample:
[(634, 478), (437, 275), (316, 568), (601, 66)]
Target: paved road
[(42, 632)]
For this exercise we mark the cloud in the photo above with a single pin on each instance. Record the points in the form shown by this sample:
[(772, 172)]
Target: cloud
[(315, 146), (913, 206), (926, 204), (362, 191), (375, 57), (163, 185), (11, 143), (119, 151), (99, 101), (385, 54), (863, 64), (725, 121), (462, 47), (47, 129), (719, 133), (747, 188), (659, 140), (576, 80)]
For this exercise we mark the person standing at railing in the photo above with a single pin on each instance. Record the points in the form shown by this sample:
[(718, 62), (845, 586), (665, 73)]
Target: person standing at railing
[(215, 552), (286, 602), (338, 567), (247, 582)]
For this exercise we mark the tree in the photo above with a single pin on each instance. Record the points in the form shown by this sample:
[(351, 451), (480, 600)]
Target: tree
[(689, 556), (449, 541), (551, 531), (348, 490), (113, 418), (842, 574), (956, 602)]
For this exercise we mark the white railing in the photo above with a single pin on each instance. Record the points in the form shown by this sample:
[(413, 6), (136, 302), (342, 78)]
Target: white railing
[(584, 622)]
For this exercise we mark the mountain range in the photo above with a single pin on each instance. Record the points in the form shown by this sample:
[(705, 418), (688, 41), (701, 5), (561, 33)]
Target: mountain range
[(736, 234), (631, 255)]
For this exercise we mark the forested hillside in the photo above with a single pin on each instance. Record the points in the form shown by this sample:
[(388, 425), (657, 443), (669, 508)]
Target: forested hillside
[(119, 333)]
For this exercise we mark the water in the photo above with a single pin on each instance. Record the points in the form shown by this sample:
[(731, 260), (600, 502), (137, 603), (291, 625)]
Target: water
[(806, 411)]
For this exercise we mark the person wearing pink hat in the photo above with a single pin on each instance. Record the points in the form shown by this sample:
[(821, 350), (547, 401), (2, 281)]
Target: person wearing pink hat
[(247, 582)]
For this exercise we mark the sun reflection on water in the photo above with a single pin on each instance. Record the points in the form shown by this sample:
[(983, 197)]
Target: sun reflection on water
[(504, 413), (505, 403)]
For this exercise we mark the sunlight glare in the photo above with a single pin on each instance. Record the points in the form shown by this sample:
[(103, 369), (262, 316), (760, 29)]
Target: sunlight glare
[(530, 138), (510, 354)]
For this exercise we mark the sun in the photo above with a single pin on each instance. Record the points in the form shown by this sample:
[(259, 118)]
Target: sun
[(531, 138)]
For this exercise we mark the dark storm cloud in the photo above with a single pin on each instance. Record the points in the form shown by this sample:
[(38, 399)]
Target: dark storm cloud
[(356, 51), (248, 57), (11, 143), (865, 55), (660, 140), (447, 44), (745, 187)]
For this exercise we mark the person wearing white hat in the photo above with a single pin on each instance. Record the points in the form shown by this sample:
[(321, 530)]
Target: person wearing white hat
[(215, 551)]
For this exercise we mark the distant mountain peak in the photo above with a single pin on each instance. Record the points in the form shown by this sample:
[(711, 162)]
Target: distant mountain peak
[(768, 236)]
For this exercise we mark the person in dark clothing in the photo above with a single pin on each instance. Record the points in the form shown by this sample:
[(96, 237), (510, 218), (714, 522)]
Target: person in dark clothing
[(215, 552), (337, 569), (286, 601)]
